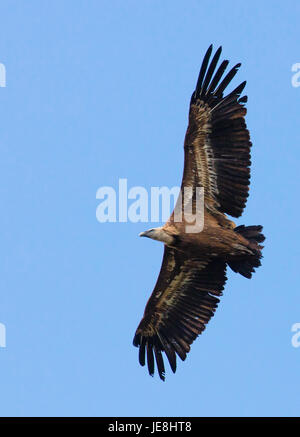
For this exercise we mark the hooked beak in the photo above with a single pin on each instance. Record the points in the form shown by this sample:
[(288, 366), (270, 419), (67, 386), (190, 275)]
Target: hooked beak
[(144, 234)]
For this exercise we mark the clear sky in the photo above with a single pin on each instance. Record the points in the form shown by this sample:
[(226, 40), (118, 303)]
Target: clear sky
[(99, 90)]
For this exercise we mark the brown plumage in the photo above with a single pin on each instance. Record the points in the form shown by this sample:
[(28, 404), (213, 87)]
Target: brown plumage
[(193, 272)]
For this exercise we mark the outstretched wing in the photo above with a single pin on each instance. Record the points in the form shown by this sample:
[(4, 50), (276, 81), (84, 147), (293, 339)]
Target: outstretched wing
[(217, 143), (183, 301)]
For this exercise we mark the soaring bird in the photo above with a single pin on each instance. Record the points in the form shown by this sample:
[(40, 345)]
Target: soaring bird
[(193, 272)]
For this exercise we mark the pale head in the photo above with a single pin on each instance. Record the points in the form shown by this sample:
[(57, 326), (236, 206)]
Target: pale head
[(158, 234)]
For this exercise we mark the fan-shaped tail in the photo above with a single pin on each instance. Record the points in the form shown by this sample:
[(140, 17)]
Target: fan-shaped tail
[(247, 264)]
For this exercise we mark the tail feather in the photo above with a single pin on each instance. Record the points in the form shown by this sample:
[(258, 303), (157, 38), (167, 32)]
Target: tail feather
[(251, 233), (246, 265)]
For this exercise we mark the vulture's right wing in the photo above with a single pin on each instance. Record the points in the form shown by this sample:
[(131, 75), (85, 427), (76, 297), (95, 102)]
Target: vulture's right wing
[(183, 301)]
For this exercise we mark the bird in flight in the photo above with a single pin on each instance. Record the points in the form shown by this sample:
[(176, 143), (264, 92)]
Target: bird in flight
[(193, 272)]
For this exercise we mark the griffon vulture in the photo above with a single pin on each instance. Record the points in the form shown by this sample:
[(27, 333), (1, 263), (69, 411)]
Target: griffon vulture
[(193, 272)]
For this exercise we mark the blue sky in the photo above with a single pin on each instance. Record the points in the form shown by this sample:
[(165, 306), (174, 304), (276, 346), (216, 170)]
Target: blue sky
[(97, 91)]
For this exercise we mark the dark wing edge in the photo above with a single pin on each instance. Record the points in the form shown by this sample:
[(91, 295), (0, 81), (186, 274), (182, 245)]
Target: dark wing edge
[(183, 301), (217, 143)]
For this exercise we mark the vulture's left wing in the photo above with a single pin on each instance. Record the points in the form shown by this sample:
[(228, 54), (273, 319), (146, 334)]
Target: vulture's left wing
[(217, 143), (183, 301)]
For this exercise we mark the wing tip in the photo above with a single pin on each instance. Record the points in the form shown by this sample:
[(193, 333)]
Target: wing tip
[(209, 78), (136, 340), (148, 345)]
